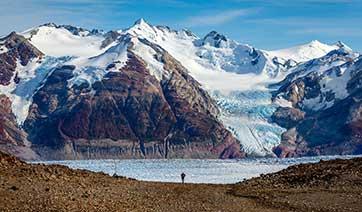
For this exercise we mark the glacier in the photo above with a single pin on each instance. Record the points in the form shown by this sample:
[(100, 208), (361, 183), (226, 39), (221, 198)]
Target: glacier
[(247, 115)]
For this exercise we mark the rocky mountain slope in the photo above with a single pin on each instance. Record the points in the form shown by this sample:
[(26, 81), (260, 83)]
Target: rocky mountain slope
[(151, 91), (16, 52), (323, 111)]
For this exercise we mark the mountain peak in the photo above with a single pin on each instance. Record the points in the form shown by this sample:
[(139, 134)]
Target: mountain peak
[(140, 24), (140, 21), (215, 35), (342, 45), (215, 39), (305, 52), (141, 28), (50, 24), (13, 37), (315, 43)]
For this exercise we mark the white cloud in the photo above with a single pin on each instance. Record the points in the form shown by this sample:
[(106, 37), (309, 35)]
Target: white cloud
[(212, 18)]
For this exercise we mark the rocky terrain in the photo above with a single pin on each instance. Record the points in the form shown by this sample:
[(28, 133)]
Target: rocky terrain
[(334, 185), (326, 186)]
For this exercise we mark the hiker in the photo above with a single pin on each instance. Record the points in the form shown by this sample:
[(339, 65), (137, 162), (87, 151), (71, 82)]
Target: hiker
[(183, 175)]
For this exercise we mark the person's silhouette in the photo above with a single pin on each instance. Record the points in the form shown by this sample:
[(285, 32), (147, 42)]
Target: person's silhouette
[(183, 175)]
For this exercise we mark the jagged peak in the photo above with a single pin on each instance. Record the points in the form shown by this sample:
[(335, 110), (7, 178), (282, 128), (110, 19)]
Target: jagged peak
[(140, 21), (49, 24), (189, 33), (215, 39), (215, 34), (341, 44), (141, 24), (75, 30), (23, 49), (12, 37)]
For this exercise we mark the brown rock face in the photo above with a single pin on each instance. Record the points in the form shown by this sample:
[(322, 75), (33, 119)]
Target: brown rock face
[(291, 145), (12, 138), (6, 119), (196, 114), (128, 114), (18, 49), (287, 117)]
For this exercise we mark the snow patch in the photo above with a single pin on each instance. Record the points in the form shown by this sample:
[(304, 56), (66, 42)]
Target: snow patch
[(336, 84), (281, 102), (149, 55), (31, 77), (93, 69), (3, 49)]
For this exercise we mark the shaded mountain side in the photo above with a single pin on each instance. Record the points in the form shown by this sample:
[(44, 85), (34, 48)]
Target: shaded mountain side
[(128, 114), (333, 125)]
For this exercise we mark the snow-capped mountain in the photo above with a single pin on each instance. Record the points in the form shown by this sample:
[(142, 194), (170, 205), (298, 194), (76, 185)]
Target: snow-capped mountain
[(321, 106), (329, 68), (165, 90), (305, 52)]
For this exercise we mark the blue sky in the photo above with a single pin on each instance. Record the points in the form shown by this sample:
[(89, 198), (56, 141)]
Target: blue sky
[(266, 24)]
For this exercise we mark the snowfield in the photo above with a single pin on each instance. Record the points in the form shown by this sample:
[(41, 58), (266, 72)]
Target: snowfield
[(305, 52)]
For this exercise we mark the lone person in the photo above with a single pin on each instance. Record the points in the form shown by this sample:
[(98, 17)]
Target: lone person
[(183, 175)]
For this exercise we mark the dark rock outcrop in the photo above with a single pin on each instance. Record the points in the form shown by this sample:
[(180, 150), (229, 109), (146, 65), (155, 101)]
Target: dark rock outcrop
[(287, 117), (213, 38), (110, 37), (18, 49)]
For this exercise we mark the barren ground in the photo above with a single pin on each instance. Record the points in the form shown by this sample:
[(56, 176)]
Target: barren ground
[(326, 186)]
